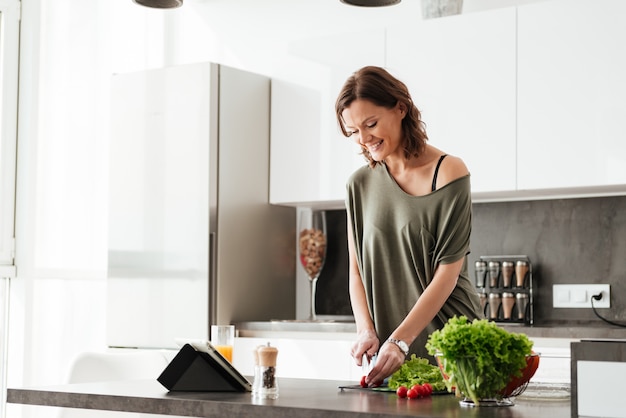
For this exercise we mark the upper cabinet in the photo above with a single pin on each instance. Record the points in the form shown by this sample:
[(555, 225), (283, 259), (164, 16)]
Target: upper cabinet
[(571, 94), (460, 71), (308, 164), (310, 160), (530, 97), (295, 153)]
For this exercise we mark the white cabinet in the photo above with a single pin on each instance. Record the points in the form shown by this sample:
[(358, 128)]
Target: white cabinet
[(571, 94), (461, 73), (309, 358), (294, 145), (310, 158), (530, 97), (306, 164)]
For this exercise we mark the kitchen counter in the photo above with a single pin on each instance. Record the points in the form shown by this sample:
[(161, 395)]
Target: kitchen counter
[(346, 330), (298, 398)]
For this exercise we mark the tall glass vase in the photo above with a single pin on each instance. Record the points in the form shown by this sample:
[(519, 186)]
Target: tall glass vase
[(312, 241)]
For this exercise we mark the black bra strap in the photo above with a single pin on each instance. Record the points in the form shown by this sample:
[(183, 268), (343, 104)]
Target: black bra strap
[(437, 171)]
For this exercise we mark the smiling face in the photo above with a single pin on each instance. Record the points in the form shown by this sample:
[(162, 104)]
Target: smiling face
[(376, 128)]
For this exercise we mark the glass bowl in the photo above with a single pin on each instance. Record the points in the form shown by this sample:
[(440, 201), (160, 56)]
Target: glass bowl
[(516, 386)]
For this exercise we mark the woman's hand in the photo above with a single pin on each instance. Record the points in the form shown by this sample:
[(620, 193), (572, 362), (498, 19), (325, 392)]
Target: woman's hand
[(366, 344), (388, 360)]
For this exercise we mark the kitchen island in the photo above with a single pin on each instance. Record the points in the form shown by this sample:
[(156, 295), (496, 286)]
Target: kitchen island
[(298, 398)]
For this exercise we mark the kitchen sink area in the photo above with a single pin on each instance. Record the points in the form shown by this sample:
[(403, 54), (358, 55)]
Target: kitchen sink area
[(546, 392)]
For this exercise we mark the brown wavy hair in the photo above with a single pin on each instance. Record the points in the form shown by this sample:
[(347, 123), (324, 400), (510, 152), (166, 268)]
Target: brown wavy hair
[(381, 88)]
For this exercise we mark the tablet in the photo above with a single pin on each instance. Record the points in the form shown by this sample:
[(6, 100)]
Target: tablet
[(198, 366), (208, 348)]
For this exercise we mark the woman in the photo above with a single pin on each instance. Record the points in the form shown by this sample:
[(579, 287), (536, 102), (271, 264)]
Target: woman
[(409, 224)]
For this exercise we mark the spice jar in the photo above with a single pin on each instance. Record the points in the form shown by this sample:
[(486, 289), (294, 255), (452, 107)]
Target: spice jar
[(508, 300), (480, 271), (265, 385), (522, 303), (495, 301), (521, 269), (507, 273), (494, 273)]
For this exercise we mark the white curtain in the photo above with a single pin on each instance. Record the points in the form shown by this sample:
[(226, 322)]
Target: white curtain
[(69, 50), (9, 42)]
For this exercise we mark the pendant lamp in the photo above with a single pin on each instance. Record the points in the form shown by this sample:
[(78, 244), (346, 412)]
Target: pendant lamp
[(160, 4), (371, 3)]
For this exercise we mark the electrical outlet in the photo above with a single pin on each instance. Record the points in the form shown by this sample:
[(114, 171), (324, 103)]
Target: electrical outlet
[(579, 295)]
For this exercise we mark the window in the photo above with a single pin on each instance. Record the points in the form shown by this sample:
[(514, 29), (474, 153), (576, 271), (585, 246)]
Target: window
[(9, 44)]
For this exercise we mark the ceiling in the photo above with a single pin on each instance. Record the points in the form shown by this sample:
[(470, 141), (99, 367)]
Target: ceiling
[(298, 19)]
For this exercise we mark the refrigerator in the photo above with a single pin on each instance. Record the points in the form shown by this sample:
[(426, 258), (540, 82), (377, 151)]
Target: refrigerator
[(193, 240)]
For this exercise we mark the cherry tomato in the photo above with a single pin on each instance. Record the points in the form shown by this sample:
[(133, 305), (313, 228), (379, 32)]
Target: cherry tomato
[(379, 383), (418, 389), (402, 392), (363, 383), (412, 394), (428, 388)]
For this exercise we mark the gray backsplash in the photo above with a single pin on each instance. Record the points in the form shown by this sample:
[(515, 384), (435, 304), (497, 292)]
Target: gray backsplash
[(569, 241)]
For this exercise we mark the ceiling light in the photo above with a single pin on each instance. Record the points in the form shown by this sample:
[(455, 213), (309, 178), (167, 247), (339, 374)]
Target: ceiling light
[(160, 4), (371, 3)]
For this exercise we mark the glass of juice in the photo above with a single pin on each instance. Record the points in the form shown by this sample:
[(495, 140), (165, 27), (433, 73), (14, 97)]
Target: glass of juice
[(223, 339)]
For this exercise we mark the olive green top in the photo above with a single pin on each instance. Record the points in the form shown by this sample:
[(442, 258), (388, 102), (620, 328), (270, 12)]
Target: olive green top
[(400, 240)]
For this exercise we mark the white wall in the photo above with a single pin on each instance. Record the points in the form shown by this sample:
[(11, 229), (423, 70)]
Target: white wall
[(69, 50)]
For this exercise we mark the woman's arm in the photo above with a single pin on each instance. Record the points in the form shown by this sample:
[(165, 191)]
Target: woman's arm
[(367, 340), (390, 358)]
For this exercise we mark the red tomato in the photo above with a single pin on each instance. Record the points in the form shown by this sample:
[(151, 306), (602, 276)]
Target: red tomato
[(363, 383), (418, 389), (379, 383), (412, 394), (402, 392), (428, 388)]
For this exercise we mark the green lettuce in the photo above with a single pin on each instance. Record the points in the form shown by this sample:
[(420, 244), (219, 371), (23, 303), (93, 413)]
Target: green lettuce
[(478, 357), (417, 370)]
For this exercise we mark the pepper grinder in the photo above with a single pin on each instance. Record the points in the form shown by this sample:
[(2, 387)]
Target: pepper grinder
[(265, 385)]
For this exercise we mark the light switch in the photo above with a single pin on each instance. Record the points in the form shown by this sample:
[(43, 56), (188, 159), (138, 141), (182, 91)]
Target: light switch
[(562, 295), (579, 296)]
